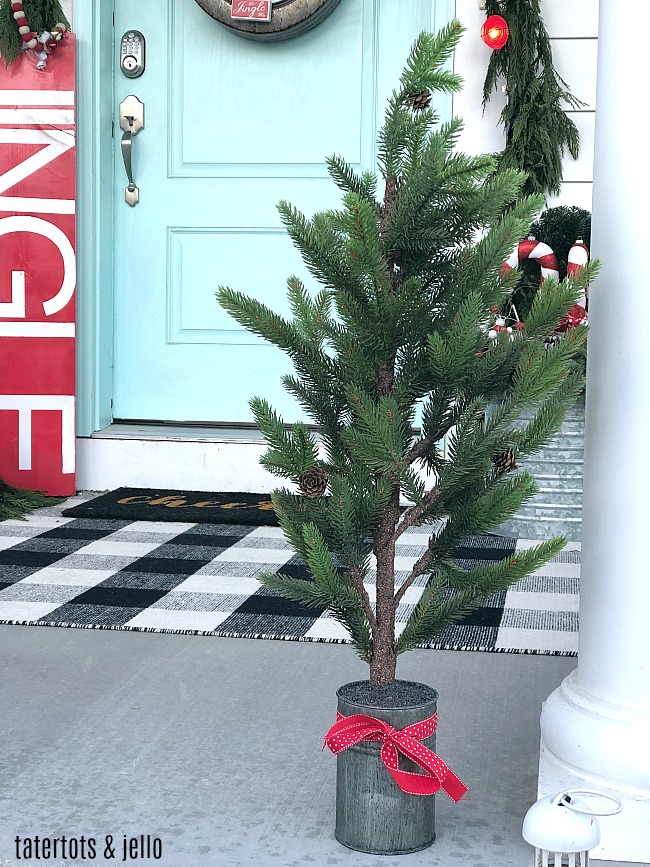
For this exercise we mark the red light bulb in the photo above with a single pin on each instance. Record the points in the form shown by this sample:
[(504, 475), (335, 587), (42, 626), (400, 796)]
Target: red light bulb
[(495, 32)]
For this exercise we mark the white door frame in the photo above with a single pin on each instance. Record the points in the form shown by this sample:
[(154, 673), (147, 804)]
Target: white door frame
[(93, 26)]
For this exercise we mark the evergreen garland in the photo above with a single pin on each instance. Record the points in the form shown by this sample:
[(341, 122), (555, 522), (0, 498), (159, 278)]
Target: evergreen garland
[(16, 504), (537, 128), (40, 15)]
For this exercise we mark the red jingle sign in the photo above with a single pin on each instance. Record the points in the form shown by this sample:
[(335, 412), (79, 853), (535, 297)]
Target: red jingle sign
[(37, 273), (258, 10)]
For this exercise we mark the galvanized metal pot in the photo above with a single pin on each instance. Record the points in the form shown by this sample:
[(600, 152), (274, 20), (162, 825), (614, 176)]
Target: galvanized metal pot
[(372, 813)]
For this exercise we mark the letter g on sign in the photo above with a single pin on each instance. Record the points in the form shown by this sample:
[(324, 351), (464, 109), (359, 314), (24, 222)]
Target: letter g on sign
[(37, 226)]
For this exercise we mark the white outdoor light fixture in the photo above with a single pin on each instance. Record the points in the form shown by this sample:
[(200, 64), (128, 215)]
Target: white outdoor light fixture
[(563, 828)]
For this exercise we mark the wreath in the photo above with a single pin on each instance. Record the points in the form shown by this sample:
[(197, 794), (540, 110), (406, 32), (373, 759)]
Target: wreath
[(31, 25), (289, 18)]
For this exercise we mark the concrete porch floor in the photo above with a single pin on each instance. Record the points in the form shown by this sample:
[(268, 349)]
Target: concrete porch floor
[(213, 745)]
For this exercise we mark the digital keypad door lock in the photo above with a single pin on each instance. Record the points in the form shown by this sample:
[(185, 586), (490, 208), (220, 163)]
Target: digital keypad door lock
[(132, 54)]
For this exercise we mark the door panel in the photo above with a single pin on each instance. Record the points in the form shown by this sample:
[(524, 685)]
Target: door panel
[(277, 108), (231, 127)]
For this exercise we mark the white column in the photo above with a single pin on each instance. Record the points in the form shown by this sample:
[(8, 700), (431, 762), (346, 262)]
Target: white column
[(596, 725)]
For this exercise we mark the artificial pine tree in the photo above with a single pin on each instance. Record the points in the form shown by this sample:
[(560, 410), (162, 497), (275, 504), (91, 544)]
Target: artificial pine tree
[(410, 283)]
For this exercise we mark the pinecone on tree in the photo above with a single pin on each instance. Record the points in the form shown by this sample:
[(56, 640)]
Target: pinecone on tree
[(312, 482), (505, 462), (418, 101)]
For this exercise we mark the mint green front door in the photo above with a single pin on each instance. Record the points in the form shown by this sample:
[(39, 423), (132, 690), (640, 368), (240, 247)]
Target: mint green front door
[(231, 126)]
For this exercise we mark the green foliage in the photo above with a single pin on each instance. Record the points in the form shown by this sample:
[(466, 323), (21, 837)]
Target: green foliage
[(538, 130), (402, 137), (408, 287), (15, 504), (40, 14), (290, 452)]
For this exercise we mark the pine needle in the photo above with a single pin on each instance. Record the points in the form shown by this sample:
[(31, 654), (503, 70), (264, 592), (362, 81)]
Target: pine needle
[(15, 503)]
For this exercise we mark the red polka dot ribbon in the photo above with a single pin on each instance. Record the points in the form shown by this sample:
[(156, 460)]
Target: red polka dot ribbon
[(348, 731)]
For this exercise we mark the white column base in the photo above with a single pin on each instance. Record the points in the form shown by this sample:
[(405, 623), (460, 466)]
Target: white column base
[(626, 836), (580, 730)]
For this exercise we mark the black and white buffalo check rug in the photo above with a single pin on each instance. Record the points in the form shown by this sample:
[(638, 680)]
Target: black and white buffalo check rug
[(201, 579)]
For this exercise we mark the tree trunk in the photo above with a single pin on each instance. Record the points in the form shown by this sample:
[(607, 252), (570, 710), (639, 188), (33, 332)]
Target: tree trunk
[(383, 661)]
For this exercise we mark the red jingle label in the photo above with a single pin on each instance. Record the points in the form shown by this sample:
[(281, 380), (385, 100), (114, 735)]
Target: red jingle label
[(257, 10)]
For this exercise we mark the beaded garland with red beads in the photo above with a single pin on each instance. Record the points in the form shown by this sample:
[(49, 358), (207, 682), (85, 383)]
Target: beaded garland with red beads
[(42, 44)]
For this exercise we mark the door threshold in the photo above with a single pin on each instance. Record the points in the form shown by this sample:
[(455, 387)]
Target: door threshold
[(180, 432), (178, 457)]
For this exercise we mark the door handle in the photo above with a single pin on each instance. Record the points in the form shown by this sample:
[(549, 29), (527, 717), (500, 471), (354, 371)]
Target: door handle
[(131, 121)]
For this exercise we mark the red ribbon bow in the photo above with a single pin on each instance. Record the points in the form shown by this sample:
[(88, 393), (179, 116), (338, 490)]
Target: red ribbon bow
[(348, 731)]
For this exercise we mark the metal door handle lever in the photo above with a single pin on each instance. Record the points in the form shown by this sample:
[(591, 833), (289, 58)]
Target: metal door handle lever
[(131, 121), (132, 193)]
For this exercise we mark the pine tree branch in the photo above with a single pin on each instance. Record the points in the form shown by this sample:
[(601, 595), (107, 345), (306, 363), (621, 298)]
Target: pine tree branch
[(356, 577), (413, 514), (16, 503), (420, 448), (420, 567), (346, 179), (434, 613)]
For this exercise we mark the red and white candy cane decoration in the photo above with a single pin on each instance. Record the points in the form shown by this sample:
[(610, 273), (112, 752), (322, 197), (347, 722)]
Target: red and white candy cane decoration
[(42, 44), (539, 252), (547, 260), (577, 259)]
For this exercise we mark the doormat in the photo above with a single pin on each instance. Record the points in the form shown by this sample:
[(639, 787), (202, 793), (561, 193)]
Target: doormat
[(194, 507), (201, 579)]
